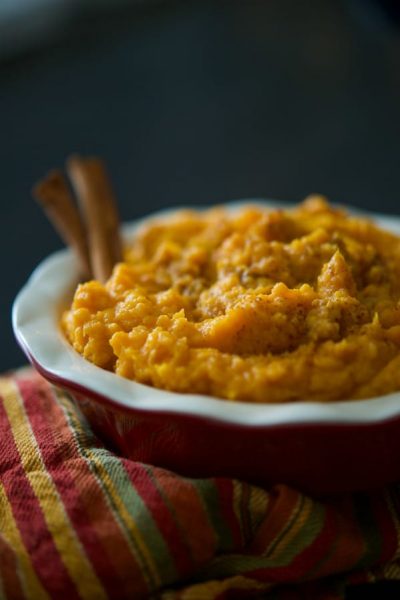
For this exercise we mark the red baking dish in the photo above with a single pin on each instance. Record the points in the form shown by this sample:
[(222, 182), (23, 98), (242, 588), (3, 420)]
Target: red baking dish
[(320, 448)]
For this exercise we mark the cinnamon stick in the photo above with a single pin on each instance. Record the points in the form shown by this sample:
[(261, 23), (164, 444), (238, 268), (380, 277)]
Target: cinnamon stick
[(92, 186), (54, 196)]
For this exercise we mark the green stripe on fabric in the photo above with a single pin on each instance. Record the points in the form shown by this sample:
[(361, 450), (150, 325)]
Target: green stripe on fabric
[(78, 423), (210, 495), (102, 455), (140, 513), (134, 506), (173, 514), (243, 510), (257, 508), (225, 566), (295, 513), (307, 533)]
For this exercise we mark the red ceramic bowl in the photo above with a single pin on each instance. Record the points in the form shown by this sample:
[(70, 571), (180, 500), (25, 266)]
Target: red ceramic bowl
[(320, 448)]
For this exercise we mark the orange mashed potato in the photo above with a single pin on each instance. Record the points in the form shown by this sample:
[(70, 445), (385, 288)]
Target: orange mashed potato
[(254, 304)]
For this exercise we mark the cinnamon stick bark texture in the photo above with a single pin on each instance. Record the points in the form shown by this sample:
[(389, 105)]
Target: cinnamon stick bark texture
[(56, 200), (93, 189)]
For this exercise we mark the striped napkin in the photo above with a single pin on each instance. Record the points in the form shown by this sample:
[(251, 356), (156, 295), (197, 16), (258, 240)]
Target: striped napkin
[(78, 521)]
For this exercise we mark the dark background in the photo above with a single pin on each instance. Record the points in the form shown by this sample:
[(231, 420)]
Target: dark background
[(198, 103)]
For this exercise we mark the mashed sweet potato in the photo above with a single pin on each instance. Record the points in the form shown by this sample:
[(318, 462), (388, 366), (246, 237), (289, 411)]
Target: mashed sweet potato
[(256, 304)]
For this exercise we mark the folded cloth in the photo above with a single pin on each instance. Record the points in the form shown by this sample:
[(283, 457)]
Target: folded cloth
[(78, 521)]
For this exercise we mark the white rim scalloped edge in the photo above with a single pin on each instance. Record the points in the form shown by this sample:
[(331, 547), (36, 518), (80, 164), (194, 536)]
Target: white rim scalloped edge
[(35, 322)]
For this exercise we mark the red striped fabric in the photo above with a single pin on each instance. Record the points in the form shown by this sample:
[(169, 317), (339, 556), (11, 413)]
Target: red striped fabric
[(78, 521)]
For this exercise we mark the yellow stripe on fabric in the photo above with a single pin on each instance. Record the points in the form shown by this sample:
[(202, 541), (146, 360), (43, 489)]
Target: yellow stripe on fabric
[(128, 521), (285, 549), (120, 512), (29, 580), (68, 545), (249, 505), (288, 524), (391, 571), (258, 505)]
